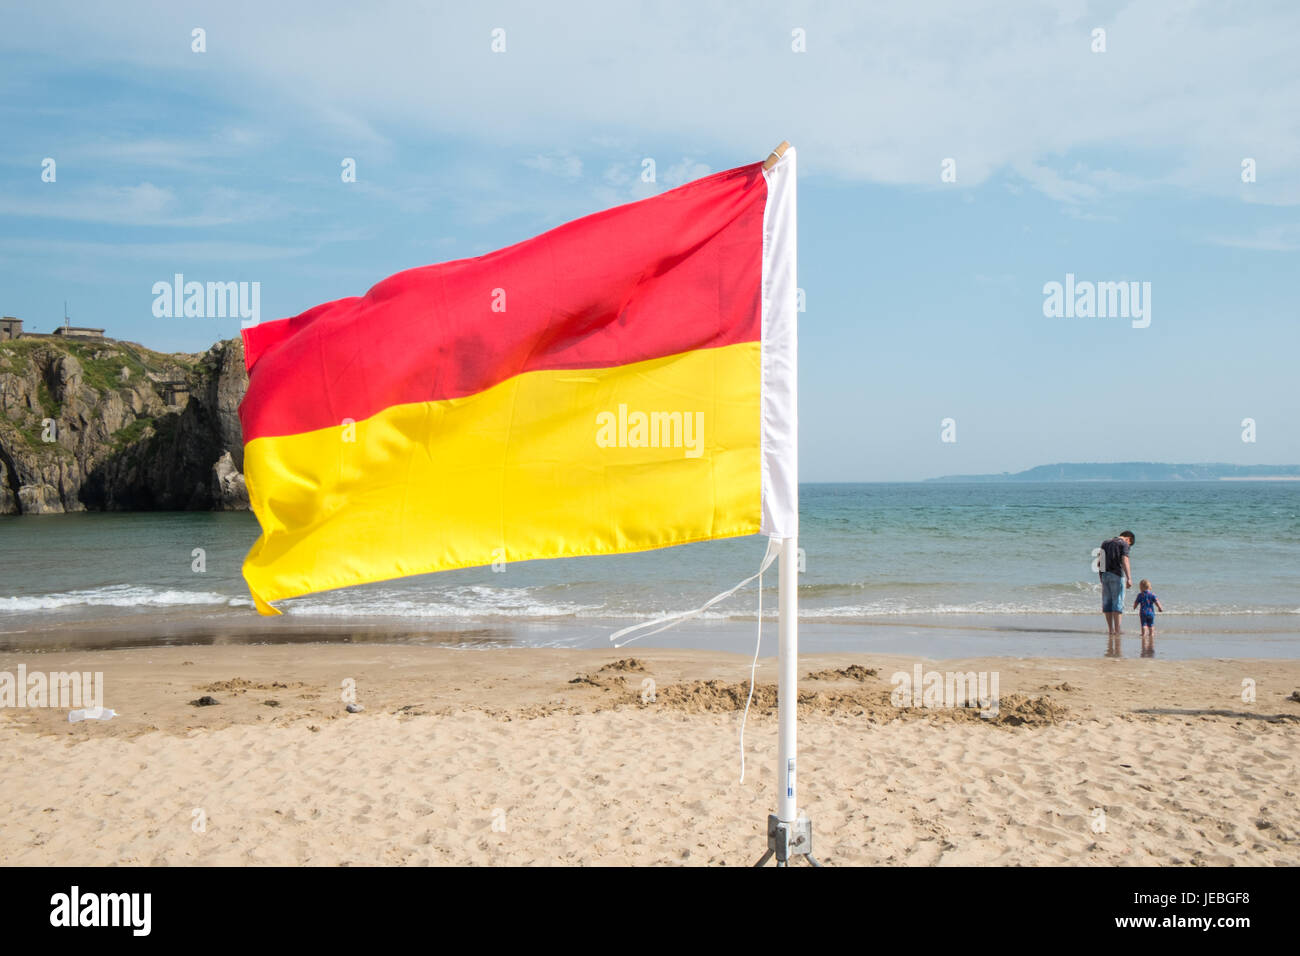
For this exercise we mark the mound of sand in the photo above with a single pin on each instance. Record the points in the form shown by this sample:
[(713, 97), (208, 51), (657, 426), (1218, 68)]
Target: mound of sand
[(853, 672), (626, 664), (240, 685), (603, 683), (715, 696)]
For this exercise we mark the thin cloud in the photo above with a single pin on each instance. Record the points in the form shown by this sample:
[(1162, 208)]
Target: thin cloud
[(560, 163), (1271, 239), (215, 251), (141, 205), (882, 94)]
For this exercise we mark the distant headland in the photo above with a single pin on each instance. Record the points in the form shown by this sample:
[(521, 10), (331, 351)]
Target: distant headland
[(1140, 471)]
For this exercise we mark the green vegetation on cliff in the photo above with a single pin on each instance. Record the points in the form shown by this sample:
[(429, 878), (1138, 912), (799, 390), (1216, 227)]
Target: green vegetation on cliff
[(116, 443)]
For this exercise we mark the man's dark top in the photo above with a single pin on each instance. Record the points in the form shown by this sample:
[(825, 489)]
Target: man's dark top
[(1115, 549)]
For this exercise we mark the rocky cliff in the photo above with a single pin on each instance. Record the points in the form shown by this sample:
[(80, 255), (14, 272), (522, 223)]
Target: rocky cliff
[(87, 425)]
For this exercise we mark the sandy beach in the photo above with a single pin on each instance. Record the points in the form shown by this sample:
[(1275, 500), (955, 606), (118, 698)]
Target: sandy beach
[(539, 756)]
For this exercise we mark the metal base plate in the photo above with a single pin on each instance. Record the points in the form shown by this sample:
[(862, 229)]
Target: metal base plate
[(788, 840)]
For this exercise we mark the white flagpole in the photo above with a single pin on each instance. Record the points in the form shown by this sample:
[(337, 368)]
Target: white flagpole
[(787, 691), (788, 833)]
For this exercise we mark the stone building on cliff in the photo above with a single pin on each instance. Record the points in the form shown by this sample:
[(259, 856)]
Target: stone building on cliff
[(12, 328)]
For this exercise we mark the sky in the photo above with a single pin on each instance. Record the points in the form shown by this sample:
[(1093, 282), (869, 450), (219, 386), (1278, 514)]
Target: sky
[(954, 158)]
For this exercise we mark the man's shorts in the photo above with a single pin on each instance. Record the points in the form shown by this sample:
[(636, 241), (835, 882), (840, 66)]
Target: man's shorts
[(1112, 592)]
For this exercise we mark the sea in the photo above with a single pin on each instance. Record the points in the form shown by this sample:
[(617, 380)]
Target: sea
[(941, 570)]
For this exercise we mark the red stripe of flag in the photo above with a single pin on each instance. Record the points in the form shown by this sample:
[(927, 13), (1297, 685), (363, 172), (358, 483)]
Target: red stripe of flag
[(670, 274)]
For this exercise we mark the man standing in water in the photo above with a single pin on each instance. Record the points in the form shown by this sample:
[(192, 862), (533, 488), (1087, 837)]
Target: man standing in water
[(1116, 575)]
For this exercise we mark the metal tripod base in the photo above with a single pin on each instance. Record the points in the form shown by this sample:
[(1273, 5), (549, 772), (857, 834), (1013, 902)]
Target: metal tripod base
[(786, 840)]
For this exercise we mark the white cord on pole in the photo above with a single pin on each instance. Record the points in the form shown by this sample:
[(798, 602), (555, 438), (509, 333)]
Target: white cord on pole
[(672, 620), (753, 668)]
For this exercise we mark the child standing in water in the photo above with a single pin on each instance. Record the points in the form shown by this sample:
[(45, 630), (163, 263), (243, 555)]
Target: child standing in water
[(1146, 604)]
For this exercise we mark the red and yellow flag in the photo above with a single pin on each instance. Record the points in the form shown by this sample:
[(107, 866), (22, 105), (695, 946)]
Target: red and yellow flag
[(623, 382)]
